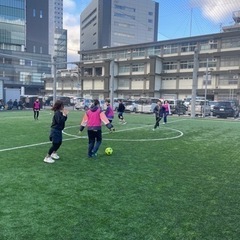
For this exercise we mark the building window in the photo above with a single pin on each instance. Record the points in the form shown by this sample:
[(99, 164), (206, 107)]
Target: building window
[(231, 43), (150, 13), (41, 50), (123, 83), (124, 69), (206, 45), (122, 15), (170, 49), (212, 62), (170, 65), (138, 52), (34, 49), (186, 64), (125, 25), (188, 47), (124, 8), (41, 14), (98, 71), (150, 21), (123, 35), (229, 61), (138, 67), (87, 71), (34, 12)]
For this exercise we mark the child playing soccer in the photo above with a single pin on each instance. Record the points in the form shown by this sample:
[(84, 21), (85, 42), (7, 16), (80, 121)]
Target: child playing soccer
[(92, 119), (159, 111), (109, 111), (58, 124)]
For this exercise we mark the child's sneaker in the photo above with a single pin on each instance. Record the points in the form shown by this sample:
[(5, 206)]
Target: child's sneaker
[(48, 160), (55, 156)]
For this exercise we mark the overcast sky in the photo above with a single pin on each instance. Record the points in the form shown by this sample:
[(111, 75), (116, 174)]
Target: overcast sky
[(177, 18)]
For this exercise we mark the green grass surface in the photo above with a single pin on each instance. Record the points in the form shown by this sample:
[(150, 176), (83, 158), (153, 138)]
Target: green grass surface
[(181, 181)]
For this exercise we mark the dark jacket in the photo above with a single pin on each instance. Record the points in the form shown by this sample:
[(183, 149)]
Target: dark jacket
[(58, 121), (159, 111), (121, 107)]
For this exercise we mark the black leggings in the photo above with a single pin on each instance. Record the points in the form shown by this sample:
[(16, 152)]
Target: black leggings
[(36, 114), (54, 148)]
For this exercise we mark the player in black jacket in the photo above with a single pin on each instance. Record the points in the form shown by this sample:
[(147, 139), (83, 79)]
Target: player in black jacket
[(121, 109), (159, 111)]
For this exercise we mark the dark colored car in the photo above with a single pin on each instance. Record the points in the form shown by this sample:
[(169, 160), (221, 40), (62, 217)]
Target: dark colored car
[(225, 109), (66, 100), (177, 107)]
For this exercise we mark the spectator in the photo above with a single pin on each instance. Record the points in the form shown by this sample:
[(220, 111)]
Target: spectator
[(27, 101), (15, 104), (20, 105), (2, 107), (10, 104)]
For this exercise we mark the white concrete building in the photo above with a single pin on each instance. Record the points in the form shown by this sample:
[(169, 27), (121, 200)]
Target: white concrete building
[(111, 23)]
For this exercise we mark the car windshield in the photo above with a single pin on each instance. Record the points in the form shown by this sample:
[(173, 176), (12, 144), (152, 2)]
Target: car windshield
[(128, 103), (224, 104), (212, 103)]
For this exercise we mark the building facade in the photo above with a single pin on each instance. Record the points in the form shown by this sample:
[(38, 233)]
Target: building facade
[(164, 69), (110, 23), (57, 35), (25, 49)]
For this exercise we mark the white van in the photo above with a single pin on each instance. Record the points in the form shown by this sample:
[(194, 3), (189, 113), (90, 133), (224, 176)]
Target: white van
[(146, 104)]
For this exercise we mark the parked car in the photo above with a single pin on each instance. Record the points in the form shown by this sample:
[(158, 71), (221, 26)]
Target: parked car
[(187, 101), (212, 104), (66, 100), (200, 105), (177, 106), (130, 106), (225, 109), (83, 104), (146, 104)]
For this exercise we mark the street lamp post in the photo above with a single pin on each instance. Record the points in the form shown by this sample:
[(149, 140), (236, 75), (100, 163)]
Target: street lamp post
[(205, 94), (54, 79)]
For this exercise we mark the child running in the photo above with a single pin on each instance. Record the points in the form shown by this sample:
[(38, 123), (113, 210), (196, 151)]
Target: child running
[(109, 111), (58, 124), (92, 119), (159, 111), (121, 109)]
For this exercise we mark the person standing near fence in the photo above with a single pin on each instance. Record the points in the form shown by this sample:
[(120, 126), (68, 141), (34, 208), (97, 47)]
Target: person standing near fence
[(36, 109)]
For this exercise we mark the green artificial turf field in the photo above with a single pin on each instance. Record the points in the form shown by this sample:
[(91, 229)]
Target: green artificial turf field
[(181, 181)]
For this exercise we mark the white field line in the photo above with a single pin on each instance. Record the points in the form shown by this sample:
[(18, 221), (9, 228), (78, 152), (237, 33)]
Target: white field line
[(74, 137)]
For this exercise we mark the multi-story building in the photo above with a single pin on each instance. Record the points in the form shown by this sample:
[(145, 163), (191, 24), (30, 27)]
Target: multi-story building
[(25, 48), (110, 23), (57, 35), (162, 69)]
